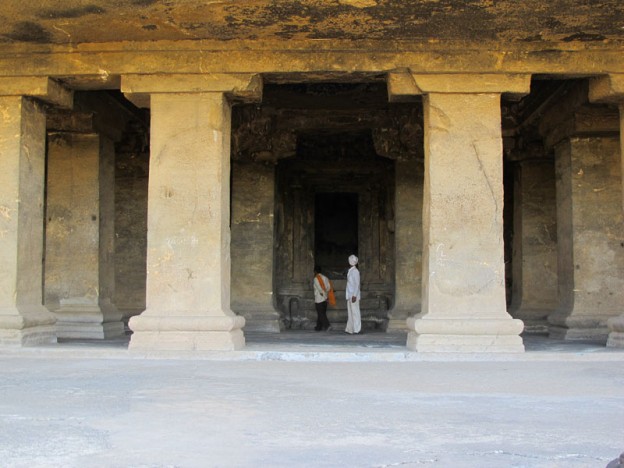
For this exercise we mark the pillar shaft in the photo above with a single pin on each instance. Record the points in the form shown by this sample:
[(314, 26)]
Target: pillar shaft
[(23, 319), (534, 293), (616, 324), (463, 268), (188, 258), (253, 206), (80, 234), (590, 238), (408, 243)]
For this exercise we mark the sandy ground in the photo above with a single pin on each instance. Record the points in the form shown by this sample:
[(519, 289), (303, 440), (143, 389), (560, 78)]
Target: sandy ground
[(127, 411)]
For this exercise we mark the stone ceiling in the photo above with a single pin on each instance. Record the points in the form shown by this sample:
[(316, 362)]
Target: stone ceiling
[(80, 21)]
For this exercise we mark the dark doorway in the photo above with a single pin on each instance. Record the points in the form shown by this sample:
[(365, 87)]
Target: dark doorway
[(335, 231)]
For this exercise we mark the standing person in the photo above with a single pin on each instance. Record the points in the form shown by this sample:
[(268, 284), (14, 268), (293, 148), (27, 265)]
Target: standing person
[(354, 321), (321, 289)]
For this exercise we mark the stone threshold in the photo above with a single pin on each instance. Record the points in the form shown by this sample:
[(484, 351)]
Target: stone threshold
[(309, 346)]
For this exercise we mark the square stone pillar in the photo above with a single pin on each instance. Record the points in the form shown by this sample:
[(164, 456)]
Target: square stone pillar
[(590, 237), (591, 258), (188, 253), (80, 232), (463, 272), (253, 206), (610, 89), (534, 291), (23, 318), (408, 243), (464, 306), (616, 324)]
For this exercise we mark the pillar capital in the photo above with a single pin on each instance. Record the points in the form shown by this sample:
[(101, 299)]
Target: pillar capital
[(573, 115), (469, 83), (403, 84), (99, 114), (607, 88), (244, 86), (40, 87)]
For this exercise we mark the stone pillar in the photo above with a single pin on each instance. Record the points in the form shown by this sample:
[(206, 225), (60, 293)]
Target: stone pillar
[(408, 243), (80, 235), (188, 257), (589, 212), (253, 205), (534, 290), (610, 89), (616, 324), (464, 306), (23, 318), (589, 233)]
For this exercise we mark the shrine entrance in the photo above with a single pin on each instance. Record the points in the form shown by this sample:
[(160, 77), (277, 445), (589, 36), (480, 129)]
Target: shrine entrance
[(334, 198)]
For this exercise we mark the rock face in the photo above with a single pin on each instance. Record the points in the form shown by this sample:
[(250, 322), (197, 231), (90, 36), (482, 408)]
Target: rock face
[(459, 20)]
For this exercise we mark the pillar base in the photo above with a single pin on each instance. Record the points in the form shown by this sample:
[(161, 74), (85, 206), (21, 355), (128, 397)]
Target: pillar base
[(396, 325), (616, 337), (397, 319), (578, 327), (93, 331), (30, 327), (258, 320), (186, 333), (87, 321), (465, 335), (578, 334), (535, 320)]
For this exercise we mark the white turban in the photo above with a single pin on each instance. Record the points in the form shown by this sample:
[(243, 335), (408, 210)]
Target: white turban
[(353, 260)]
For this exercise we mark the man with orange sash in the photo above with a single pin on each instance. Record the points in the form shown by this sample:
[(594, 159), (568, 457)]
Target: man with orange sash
[(321, 290)]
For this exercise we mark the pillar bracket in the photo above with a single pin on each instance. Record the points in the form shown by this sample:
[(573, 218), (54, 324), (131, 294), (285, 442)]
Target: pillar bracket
[(241, 86), (40, 87), (446, 83)]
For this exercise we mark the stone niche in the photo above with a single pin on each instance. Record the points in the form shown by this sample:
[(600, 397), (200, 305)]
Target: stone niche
[(313, 181)]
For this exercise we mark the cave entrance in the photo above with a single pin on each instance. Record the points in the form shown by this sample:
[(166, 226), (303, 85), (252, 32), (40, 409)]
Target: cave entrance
[(335, 230)]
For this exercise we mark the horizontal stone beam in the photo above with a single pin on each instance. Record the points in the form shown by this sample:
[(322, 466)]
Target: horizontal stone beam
[(40, 87), (339, 58)]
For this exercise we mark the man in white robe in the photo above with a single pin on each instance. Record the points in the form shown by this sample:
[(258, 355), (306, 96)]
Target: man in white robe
[(354, 321)]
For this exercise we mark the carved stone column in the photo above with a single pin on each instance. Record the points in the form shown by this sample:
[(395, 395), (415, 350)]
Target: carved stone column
[(80, 235), (253, 205), (534, 292), (611, 89), (408, 243), (23, 318), (188, 258), (589, 226), (463, 269), (589, 214)]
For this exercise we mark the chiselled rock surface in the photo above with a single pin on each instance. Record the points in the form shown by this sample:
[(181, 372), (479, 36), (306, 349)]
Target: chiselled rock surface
[(78, 21)]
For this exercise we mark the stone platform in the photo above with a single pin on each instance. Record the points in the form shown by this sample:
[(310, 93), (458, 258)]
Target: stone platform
[(331, 346)]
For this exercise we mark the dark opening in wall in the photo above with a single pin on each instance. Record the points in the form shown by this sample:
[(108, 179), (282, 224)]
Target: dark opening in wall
[(335, 231)]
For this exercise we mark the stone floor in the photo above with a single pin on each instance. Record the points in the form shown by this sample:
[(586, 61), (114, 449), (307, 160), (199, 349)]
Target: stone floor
[(339, 404)]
